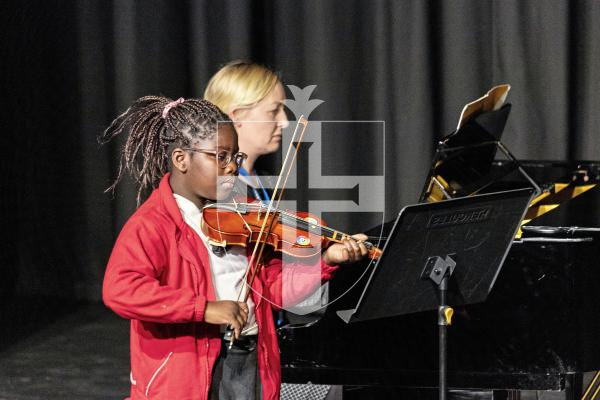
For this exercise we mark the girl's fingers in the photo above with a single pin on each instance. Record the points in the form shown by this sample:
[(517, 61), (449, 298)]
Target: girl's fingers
[(354, 250), (363, 249)]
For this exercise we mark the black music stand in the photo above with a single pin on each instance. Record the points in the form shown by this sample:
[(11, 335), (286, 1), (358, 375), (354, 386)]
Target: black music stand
[(448, 252)]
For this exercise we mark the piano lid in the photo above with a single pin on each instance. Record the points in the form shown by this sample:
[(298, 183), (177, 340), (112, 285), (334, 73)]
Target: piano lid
[(473, 160), (464, 165)]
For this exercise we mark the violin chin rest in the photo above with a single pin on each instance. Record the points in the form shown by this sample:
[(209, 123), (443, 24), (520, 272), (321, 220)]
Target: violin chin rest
[(216, 243)]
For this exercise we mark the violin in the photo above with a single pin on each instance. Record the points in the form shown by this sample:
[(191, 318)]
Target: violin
[(298, 234)]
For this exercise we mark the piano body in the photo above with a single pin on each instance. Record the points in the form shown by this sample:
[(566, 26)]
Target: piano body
[(539, 328)]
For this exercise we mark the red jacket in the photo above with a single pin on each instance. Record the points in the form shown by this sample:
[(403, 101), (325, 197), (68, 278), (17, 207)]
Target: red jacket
[(159, 276)]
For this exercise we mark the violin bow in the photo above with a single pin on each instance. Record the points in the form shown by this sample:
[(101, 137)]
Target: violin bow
[(255, 261), (277, 194)]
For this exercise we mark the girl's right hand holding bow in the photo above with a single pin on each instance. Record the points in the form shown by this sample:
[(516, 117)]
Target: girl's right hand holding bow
[(227, 312)]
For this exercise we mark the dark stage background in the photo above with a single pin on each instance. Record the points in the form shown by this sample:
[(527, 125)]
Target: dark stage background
[(68, 68)]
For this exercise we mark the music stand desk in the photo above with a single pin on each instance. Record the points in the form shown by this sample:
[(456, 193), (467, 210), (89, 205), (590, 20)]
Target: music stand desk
[(439, 254)]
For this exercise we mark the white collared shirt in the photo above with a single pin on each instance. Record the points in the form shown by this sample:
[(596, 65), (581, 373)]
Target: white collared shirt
[(227, 271)]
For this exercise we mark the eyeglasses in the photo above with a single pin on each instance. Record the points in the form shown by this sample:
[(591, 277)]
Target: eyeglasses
[(223, 157)]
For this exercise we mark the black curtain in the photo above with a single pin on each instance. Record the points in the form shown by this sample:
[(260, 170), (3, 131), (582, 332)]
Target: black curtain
[(69, 67)]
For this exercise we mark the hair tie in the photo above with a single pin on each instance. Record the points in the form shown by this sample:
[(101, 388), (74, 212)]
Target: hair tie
[(171, 105)]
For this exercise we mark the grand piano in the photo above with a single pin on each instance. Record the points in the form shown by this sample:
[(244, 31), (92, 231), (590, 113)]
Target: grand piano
[(539, 328)]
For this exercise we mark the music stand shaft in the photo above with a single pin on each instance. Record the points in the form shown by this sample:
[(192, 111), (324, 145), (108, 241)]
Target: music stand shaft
[(442, 333)]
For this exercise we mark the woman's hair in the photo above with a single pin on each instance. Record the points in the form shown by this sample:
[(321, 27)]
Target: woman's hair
[(240, 84), (155, 125)]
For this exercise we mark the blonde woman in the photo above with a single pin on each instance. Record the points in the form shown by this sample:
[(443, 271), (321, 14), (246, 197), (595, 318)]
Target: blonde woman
[(251, 95)]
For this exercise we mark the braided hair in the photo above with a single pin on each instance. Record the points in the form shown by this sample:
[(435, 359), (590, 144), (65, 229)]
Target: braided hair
[(155, 126)]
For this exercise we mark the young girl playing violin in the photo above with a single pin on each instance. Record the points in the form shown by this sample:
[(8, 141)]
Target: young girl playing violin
[(161, 274)]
